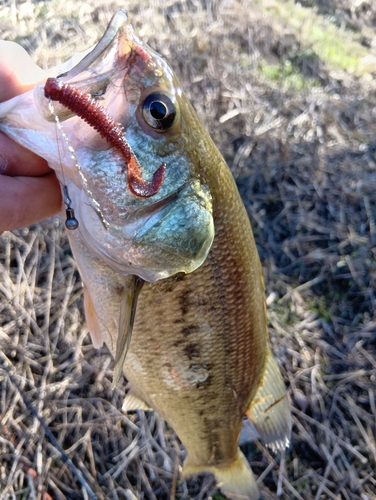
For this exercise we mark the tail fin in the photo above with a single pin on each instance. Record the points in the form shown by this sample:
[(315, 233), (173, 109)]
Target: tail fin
[(236, 481), (269, 410)]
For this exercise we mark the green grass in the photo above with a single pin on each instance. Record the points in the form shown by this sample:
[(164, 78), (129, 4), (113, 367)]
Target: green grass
[(338, 48), (287, 76), (218, 496), (320, 305)]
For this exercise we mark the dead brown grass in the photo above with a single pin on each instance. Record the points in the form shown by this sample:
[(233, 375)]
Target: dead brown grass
[(304, 157)]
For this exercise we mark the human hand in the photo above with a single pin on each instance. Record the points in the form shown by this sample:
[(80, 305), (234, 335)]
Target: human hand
[(29, 189)]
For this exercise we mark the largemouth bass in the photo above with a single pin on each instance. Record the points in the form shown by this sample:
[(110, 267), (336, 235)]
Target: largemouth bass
[(172, 279)]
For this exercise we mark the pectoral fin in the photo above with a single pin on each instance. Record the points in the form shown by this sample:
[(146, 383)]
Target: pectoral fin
[(269, 410), (128, 305), (92, 321)]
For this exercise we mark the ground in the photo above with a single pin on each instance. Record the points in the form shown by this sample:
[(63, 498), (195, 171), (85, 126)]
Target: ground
[(287, 91)]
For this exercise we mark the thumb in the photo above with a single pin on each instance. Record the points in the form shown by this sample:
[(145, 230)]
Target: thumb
[(18, 72)]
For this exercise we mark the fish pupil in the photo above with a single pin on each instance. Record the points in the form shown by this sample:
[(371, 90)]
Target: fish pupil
[(158, 111)]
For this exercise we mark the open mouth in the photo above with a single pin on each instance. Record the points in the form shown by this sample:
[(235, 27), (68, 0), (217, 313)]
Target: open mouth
[(88, 108), (118, 22)]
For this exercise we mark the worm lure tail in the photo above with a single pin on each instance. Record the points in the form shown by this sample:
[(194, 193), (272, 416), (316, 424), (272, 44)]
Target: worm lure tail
[(87, 108)]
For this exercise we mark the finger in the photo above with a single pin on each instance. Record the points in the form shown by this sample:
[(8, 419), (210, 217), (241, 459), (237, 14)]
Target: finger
[(26, 200), (16, 160), (18, 73)]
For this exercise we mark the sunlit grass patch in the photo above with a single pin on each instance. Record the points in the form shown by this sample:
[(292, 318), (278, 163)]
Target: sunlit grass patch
[(338, 48), (286, 76)]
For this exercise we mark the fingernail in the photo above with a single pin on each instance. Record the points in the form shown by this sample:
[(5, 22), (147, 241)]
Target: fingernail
[(3, 164)]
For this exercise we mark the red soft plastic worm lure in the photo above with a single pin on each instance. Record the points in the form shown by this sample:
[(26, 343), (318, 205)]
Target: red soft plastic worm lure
[(87, 108)]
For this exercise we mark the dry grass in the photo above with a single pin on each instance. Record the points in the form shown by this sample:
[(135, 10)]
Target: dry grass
[(298, 131)]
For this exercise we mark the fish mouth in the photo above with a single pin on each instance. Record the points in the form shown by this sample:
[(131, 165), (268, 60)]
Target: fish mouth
[(94, 72), (118, 21), (117, 52)]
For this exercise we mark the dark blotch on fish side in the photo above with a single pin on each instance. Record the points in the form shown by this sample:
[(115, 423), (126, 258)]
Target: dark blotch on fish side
[(188, 330), (192, 351), (184, 301)]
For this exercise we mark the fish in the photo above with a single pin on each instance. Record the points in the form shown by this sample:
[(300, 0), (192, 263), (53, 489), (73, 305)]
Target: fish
[(171, 274)]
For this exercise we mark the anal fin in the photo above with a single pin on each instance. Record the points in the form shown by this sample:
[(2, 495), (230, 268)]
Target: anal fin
[(269, 410), (133, 403)]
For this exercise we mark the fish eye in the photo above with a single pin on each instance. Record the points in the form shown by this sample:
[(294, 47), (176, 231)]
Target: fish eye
[(159, 111)]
